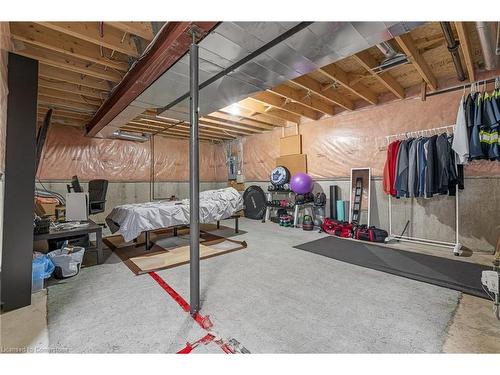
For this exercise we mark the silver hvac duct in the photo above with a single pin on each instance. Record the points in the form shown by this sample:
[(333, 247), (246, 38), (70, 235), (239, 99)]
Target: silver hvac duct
[(453, 50), (487, 38), (392, 58), (120, 134)]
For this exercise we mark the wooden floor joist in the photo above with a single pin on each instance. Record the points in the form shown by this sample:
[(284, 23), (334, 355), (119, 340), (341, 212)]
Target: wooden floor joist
[(338, 75), (367, 61), (112, 38), (407, 44), (304, 97), (61, 61), (72, 88), (328, 94), (279, 102), (55, 74), (55, 41)]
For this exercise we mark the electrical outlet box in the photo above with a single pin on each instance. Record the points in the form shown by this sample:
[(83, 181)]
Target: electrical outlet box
[(491, 280)]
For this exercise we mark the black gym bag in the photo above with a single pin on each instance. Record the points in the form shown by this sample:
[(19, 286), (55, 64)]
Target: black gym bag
[(372, 234), (254, 201)]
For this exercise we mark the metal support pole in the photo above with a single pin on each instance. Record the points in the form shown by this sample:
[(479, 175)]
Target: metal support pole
[(194, 183)]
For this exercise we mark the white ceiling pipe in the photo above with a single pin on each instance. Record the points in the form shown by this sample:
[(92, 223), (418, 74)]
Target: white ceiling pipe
[(487, 38)]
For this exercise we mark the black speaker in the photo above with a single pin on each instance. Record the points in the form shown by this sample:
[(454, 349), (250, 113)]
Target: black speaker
[(334, 197)]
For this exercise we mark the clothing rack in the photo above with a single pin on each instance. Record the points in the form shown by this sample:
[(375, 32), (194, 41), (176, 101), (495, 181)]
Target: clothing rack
[(456, 246)]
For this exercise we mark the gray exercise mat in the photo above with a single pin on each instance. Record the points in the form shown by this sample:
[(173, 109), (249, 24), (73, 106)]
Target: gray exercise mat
[(448, 273)]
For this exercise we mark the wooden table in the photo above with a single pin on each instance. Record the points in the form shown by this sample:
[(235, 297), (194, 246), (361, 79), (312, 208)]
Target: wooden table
[(91, 227)]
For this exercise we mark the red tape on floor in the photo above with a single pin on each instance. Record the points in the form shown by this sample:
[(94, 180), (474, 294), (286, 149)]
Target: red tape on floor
[(203, 321), (189, 347)]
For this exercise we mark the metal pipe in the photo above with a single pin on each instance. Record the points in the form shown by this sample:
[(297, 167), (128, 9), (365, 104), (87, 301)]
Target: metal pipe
[(460, 87), (453, 49), (194, 183), (487, 39), (398, 236)]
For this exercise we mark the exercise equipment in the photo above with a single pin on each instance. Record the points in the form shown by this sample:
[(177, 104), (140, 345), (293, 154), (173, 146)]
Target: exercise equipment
[(334, 197), (307, 223), (301, 183), (358, 194), (254, 201), (280, 176)]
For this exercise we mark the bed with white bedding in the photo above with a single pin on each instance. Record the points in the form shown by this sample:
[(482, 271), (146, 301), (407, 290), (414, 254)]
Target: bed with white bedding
[(130, 220)]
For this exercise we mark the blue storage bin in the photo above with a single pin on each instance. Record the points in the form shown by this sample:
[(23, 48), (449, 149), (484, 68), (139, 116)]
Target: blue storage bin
[(42, 268)]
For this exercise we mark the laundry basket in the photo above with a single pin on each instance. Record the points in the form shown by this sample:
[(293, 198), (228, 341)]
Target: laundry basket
[(67, 261)]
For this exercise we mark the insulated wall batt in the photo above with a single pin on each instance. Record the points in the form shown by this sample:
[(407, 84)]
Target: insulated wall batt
[(68, 152)]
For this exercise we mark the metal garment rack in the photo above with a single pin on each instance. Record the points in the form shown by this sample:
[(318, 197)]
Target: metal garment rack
[(456, 246)]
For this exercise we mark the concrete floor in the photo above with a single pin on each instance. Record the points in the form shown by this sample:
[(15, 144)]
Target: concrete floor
[(270, 297)]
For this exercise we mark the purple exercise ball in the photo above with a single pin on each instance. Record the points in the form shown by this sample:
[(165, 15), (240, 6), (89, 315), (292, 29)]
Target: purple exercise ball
[(301, 183)]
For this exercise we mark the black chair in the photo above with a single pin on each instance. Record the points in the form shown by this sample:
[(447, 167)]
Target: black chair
[(75, 185), (97, 196)]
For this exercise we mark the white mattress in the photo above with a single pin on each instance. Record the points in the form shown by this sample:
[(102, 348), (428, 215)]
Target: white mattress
[(130, 220)]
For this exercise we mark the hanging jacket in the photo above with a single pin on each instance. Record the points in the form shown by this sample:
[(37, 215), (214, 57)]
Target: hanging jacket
[(402, 170), (443, 164), (461, 138), (390, 166), (431, 174), (412, 169), (422, 166), (453, 179), (475, 147), (489, 135)]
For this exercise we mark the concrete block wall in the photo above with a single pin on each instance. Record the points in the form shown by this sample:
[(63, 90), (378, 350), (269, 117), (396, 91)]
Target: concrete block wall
[(133, 192), (479, 211)]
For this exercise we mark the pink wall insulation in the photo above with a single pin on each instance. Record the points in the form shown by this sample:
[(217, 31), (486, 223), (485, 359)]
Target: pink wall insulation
[(68, 152), (357, 139)]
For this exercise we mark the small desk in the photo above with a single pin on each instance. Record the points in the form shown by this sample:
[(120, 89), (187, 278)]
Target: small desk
[(61, 234)]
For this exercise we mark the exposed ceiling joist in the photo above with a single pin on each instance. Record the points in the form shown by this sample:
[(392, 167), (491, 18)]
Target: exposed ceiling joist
[(278, 101), (68, 96), (465, 45), (62, 121), (268, 110), (53, 73), (367, 61), (169, 134), (408, 46), (249, 115), (112, 38), (64, 62), (66, 104), (64, 114), (72, 88), (55, 41), (217, 124), (237, 122), (176, 130), (203, 123), (184, 128), (140, 29), (329, 94), (332, 71), (305, 98)]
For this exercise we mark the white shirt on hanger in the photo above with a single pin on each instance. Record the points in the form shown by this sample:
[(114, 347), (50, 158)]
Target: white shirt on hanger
[(460, 139)]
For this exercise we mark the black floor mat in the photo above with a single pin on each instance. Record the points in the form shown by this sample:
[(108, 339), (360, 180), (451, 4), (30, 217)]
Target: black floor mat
[(449, 273)]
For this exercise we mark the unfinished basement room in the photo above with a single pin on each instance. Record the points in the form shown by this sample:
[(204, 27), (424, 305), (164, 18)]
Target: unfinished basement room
[(301, 185)]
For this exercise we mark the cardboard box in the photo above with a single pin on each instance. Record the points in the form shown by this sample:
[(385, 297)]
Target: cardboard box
[(294, 163), (291, 145), (237, 185), (45, 208)]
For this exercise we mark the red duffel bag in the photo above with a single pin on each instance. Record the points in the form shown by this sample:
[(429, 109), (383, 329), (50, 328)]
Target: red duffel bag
[(337, 228)]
